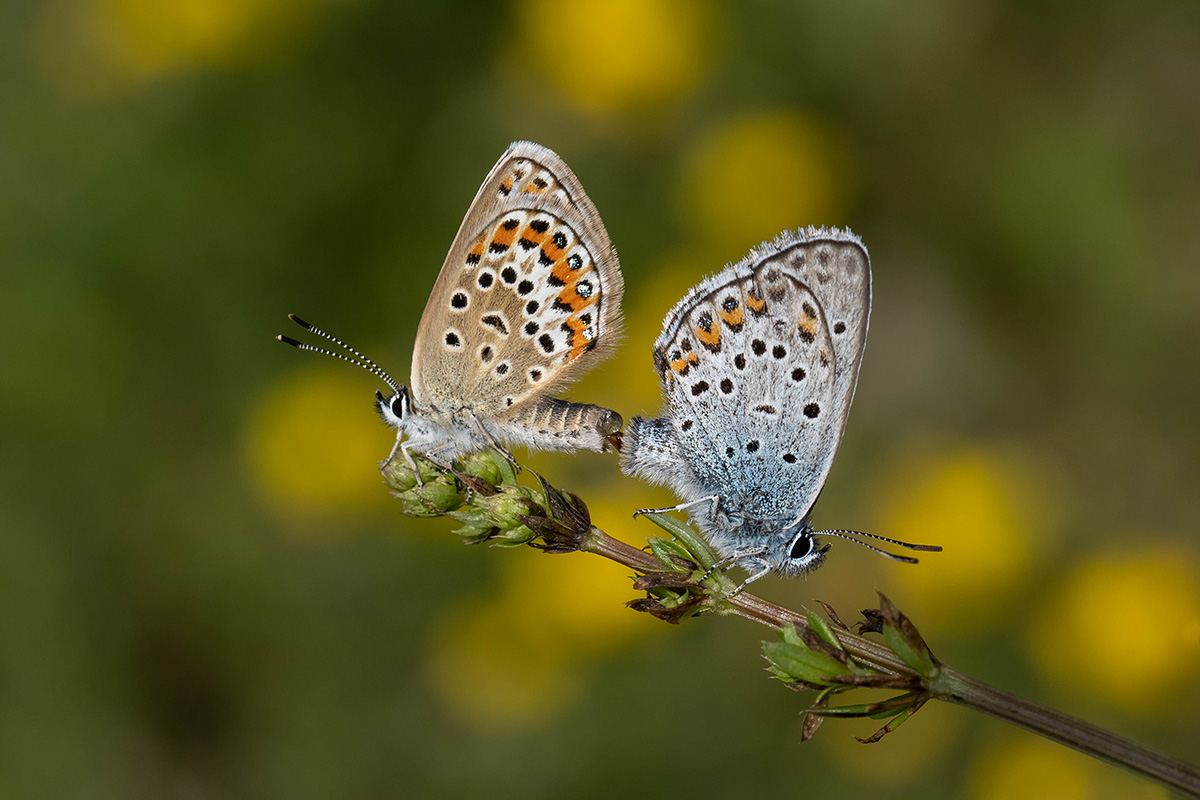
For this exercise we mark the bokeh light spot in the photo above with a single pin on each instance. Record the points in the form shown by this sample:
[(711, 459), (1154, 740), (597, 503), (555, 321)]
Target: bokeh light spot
[(1029, 768), (101, 47), (751, 177), (670, 279), (618, 55), (497, 667), (1124, 625), (981, 506), (313, 445), (519, 656), (580, 597), (1035, 769)]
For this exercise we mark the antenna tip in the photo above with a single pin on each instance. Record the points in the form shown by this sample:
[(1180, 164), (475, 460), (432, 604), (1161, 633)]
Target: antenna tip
[(300, 322), (289, 340), (929, 548)]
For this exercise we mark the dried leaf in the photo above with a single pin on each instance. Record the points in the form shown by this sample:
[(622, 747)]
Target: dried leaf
[(833, 615)]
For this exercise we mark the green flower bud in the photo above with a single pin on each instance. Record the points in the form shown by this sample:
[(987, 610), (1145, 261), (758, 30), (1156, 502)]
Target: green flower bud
[(473, 516), (401, 477), (514, 537), (509, 505), (432, 499), (489, 466), (475, 535)]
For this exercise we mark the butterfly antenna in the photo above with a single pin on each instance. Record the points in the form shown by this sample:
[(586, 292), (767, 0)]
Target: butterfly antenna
[(906, 559), (335, 340), (366, 363)]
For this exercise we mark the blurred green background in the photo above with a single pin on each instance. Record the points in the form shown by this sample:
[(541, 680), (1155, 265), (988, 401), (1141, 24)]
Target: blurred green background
[(206, 592)]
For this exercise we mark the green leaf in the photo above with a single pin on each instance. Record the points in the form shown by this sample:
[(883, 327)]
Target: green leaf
[(802, 663), (697, 549), (853, 710), (663, 549), (822, 628), (790, 635), (920, 660), (778, 673)]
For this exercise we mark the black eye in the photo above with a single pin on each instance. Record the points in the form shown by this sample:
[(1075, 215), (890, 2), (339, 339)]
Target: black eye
[(398, 406), (802, 546)]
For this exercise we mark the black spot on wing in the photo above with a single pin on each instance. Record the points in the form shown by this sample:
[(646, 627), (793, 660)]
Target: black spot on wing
[(495, 322)]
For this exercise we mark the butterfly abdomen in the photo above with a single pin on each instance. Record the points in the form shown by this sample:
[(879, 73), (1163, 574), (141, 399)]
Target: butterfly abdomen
[(652, 451), (553, 424)]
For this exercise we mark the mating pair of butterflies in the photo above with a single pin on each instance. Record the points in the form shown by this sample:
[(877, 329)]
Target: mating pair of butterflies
[(758, 363)]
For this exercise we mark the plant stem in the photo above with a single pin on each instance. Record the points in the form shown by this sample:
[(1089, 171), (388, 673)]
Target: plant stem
[(1066, 729), (949, 685)]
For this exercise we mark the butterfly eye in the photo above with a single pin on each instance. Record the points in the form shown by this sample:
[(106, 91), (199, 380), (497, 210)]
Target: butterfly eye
[(802, 545), (399, 405)]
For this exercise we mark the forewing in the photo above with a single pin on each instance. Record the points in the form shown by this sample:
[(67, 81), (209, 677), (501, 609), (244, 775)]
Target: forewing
[(529, 295)]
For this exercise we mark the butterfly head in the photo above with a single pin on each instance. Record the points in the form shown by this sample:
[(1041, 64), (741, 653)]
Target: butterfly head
[(396, 408), (804, 554), (798, 554)]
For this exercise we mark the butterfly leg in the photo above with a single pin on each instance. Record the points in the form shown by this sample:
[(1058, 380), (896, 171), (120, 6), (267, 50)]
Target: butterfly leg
[(739, 557), (764, 567), (392, 454), (495, 443), (720, 563), (406, 452), (715, 499), (408, 459), (431, 457)]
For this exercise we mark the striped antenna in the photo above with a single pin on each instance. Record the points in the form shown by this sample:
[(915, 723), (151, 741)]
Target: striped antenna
[(849, 535), (845, 534), (361, 360)]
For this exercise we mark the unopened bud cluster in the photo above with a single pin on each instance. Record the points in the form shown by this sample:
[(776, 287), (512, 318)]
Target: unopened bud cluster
[(480, 492)]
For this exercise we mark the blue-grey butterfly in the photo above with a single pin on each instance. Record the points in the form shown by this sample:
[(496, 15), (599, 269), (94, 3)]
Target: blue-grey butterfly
[(528, 298), (758, 366)]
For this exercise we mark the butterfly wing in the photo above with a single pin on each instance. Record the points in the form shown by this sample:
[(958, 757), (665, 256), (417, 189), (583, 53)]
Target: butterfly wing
[(529, 296), (837, 269), (758, 365)]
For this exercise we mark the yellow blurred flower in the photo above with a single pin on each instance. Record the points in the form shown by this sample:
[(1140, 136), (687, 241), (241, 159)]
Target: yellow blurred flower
[(1033, 768), (313, 444), (1124, 625), (497, 667), (660, 289), (580, 597), (521, 654), (982, 506), (618, 55), (753, 176), (101, 46)]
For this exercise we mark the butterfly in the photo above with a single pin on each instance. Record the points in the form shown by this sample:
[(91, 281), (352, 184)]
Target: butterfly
[(758, 366), (528, 298)]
